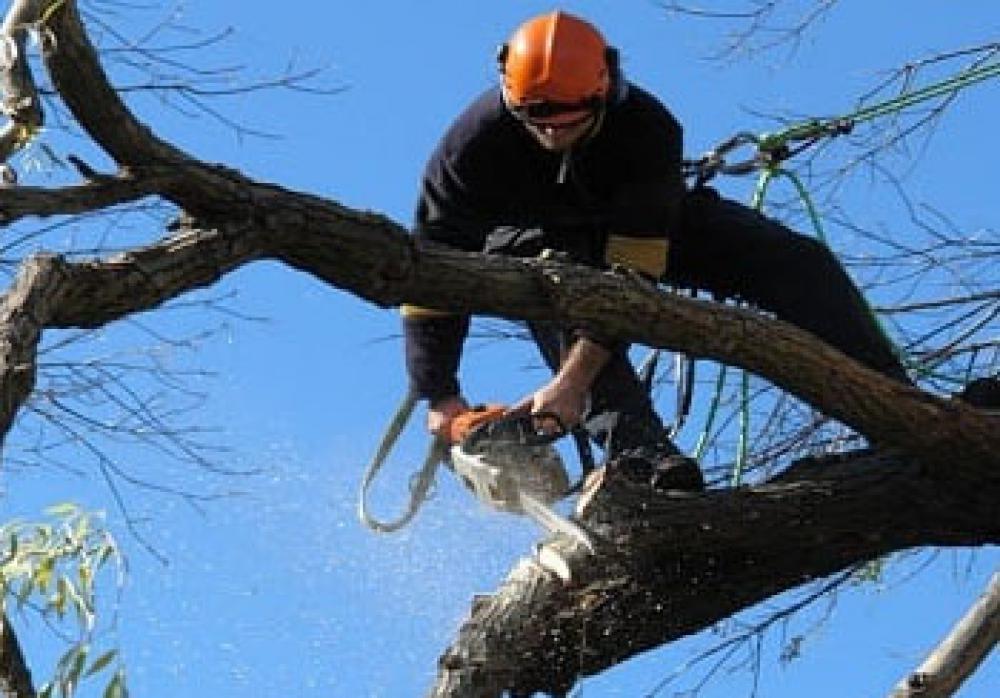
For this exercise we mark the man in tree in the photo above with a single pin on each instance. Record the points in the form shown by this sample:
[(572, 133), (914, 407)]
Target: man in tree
[(567, 155)]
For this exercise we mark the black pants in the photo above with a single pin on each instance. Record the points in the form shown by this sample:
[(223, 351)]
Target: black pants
[(732, 251), (735, 252)]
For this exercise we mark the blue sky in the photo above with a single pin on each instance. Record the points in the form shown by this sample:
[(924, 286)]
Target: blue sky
[(280, 588)]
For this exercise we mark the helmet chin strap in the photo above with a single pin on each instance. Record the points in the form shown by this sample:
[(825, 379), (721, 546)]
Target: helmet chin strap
[(596, 126), (505, 96)]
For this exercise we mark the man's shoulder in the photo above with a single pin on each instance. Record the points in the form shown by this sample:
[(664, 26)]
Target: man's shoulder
[(484, 117), (639, 100)]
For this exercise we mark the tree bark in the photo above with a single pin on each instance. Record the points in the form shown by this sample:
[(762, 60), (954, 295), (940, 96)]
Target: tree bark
[(669, 565), (960, 653), (21, 103), (15, 678)]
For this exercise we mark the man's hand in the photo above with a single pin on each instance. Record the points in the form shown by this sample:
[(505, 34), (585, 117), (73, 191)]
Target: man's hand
[(566, 394), (563, 400), (442, 411)]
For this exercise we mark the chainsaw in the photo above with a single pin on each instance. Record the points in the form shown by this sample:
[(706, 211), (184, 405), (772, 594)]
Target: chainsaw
[(501, 458)]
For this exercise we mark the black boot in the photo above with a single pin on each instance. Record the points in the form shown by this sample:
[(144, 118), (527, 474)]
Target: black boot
[(983, 393), (672, 472), (678, 473)]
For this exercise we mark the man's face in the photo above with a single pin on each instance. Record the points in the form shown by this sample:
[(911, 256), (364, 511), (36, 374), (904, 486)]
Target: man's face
[(557, 125), (559, 135)]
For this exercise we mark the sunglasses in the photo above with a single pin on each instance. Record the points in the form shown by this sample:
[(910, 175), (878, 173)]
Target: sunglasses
[(556, 114)]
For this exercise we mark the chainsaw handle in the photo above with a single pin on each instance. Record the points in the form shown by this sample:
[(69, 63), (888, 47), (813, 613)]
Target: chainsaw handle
[(543, 437), (512, 427), (463, 424)]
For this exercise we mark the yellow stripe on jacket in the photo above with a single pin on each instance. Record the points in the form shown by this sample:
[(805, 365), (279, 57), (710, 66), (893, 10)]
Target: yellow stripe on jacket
[(645, 255), (419, 312)]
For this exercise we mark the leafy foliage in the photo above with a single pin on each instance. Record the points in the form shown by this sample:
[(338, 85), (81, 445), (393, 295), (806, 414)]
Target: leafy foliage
[(54, 568)]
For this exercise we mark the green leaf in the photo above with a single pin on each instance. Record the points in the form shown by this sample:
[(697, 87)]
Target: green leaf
[(43, 574), (81, 530), (80, 605), (63, 510), (116, 687), (64, 593), (44, 534), (107, 550), (67, 659), (24, 593), (57, 602), (101, 662), (86, 578), (76, 668)]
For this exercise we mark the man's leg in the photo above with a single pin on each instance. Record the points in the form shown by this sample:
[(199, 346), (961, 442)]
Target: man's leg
[(621, 418), (734, 251)]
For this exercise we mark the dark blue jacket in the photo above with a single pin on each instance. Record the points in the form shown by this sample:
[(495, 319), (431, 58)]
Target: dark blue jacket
[(613, 198)]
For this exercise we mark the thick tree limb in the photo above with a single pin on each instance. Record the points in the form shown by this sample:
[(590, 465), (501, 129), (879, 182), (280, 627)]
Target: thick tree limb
[(675, 564), (21, 103), (958, 655), (85, 89), (15, 679), (374, 259)]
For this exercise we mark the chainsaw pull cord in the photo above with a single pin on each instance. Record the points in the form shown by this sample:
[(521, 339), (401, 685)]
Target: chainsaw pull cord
[(422, 480)]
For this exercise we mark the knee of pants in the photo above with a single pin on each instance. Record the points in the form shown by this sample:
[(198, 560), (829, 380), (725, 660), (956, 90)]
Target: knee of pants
[(805, 269), (815, 256)]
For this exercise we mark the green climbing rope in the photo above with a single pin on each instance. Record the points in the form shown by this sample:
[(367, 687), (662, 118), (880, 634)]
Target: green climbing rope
[(771, 150), (764, 181)]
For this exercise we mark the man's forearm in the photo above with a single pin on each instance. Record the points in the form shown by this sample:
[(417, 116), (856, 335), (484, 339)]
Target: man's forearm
[(581, 365), (433, 348)]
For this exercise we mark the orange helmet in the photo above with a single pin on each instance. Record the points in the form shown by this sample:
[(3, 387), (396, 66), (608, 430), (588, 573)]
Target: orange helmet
[(555, 59)]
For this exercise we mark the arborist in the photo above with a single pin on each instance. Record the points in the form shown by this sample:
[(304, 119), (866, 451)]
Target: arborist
[(566, 154)]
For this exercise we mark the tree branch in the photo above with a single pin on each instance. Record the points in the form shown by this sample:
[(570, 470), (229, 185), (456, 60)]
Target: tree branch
[(21, 103), (20, 202), (15, 678), (671, 564), (82, 84), (958, 655), (374, 259)]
